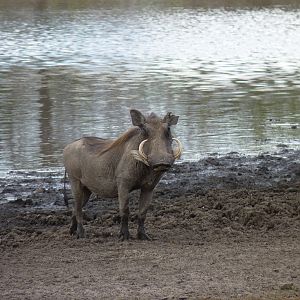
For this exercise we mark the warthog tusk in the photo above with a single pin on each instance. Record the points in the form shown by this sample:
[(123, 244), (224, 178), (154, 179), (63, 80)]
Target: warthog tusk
[(141, 151), (140, 154), (179, 151)]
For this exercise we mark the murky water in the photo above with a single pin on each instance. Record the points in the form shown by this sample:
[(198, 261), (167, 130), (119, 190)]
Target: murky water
[(69, 69)]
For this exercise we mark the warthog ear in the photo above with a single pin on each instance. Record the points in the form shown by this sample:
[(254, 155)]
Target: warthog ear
[(137, 118), (170, 119)]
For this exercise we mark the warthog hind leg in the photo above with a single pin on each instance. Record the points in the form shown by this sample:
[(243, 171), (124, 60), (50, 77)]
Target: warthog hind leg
[(81, 195)]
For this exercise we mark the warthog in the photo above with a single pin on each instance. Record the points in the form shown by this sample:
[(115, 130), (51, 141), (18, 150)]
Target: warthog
[(111, 168)]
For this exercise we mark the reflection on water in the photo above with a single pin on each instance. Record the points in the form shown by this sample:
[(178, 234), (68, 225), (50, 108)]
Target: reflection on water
[(233, 75)]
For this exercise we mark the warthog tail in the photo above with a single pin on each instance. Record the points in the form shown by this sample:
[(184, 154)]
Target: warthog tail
[(65, 195)]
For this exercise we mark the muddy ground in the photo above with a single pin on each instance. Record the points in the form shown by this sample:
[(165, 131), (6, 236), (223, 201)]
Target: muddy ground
[(223, 228)]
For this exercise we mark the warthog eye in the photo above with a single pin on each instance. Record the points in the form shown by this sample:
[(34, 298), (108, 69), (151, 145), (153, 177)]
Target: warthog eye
[(145, 131)]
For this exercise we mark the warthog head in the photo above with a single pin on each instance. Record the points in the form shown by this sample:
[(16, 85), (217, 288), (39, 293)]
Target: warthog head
[(156, 149)]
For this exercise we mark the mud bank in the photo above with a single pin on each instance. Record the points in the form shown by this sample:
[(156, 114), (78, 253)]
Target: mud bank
[(223, 227)]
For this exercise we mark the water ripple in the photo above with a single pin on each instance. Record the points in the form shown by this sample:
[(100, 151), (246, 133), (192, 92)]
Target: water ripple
[(231, 74)]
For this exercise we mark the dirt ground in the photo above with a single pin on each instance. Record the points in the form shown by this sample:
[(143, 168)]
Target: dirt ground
[(225, 227)]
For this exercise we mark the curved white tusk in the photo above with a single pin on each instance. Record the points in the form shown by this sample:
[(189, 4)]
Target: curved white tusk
[(180, 148), (141, 151)]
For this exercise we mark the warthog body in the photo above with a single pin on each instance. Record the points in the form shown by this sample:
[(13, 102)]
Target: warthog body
[(114, 168)]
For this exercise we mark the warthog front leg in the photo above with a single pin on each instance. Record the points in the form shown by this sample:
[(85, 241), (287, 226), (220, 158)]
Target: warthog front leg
[(145, 200), (123, 197), (73, 227)]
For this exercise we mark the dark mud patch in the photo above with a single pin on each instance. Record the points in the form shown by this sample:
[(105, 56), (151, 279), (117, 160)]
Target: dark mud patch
[(214, 222), (232, 193)]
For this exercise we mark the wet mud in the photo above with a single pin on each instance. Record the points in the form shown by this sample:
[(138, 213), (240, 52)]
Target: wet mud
[(225, 227)]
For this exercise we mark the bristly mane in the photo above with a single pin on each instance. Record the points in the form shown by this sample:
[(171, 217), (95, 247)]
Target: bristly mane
[(130, 133), (100, 146), (94, 144)]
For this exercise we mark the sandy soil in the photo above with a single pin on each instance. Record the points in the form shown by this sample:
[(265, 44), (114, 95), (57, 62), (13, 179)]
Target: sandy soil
[(223, 228)]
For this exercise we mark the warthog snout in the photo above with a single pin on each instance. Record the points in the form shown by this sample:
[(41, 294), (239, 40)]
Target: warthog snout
[(161, 161)]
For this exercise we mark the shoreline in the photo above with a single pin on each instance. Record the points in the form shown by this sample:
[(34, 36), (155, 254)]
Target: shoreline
[(232, 170)]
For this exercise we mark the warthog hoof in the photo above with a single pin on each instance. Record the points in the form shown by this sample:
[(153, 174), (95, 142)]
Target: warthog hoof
[(80, 231), (124, 235), (73, 230), (142, 235)]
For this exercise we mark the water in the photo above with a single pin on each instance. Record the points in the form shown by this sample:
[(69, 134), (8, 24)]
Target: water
[(73, 68)]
